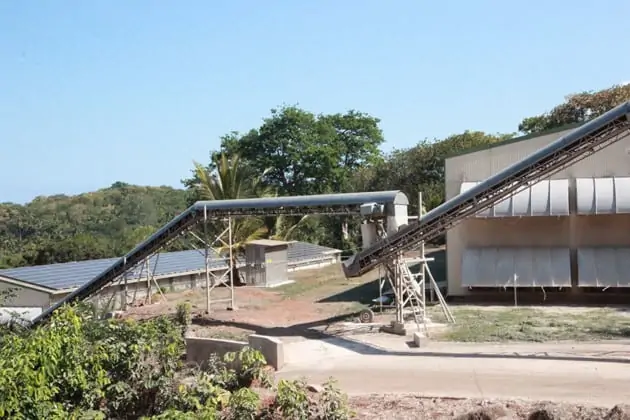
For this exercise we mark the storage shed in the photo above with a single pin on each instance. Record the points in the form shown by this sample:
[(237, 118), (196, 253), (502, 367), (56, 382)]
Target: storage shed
[(267, 262)]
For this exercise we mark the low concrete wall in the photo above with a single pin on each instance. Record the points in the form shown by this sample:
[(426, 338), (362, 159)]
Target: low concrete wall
[(199, 349), (272, 348)]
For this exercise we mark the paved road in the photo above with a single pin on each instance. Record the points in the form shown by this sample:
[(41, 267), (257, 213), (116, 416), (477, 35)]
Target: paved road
[(600, 383)]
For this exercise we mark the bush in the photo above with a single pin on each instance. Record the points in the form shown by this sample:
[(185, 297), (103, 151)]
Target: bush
[(183, 314), (79, 367)]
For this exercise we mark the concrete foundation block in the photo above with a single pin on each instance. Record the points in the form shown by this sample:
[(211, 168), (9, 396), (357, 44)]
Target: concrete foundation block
[(419, 339), (397, 328)]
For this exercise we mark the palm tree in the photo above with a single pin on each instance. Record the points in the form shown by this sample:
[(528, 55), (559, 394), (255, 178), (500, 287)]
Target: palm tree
[(232, 180)]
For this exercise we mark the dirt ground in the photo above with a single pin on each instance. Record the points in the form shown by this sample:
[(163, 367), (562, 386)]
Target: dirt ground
[(321, 300), (399, 407), (316, 299)]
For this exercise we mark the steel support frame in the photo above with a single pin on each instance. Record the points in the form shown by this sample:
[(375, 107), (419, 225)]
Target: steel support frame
[(176, 229), (410, 289), (212, 280)]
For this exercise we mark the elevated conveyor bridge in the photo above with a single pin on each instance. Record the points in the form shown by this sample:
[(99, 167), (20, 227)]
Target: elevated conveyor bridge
[(202, 211)]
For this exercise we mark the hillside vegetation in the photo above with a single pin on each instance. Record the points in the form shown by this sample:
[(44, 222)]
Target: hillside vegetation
[(293, 152), (100, 224)]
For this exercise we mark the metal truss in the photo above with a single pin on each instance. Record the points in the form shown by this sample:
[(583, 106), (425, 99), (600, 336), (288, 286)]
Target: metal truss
[(537, 167)]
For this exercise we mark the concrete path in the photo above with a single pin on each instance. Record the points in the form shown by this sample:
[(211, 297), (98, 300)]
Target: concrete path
[(531, 371)]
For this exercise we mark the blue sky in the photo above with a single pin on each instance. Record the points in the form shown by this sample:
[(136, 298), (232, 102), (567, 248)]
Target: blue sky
[(93, 92)]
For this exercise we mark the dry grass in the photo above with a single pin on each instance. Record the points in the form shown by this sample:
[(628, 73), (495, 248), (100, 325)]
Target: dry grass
[(534, 324), (408, 407)]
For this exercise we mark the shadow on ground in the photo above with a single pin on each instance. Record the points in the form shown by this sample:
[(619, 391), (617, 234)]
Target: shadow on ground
[(309, 331), (366, 292)]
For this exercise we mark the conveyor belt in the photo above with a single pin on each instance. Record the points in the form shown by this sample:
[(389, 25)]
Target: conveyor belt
[(331, 204), (566, 151)]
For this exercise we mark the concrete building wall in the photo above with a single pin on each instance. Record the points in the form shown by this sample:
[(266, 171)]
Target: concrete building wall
[(24, 297), (276, 270), (574, 231)]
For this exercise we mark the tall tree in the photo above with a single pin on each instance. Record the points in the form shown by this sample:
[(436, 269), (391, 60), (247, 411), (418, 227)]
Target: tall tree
[(421, 168), (297, 152), (577, 108)]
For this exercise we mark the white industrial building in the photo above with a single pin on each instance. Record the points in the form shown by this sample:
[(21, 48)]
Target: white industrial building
[(570, 232), (36, 288)]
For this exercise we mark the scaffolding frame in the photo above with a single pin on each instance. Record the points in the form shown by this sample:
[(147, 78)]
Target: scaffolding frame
[(410, 289)]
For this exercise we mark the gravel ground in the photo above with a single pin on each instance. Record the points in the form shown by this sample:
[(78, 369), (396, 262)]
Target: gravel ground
[(399, 407)]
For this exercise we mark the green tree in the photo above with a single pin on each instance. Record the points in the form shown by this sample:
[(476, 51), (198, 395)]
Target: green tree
[(100, 224), (230, 180), (297, 152), (577, 108), (421, 168)]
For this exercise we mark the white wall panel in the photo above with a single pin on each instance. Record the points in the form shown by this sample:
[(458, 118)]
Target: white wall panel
[(603, 195), (604, 267), (523, 267)]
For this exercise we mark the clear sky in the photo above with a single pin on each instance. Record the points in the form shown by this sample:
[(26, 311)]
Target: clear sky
[(93, 92)]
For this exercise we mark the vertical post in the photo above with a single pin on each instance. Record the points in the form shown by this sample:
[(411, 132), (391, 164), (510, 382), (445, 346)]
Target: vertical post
[(125, 290), (207, 258), (515, 292), (420, 217), (400, 300), (423, 265), (232, 265), (149, 286)]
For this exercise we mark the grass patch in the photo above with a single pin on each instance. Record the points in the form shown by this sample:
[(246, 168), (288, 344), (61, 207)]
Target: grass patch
[(300, 288), (533, 325), (223, 334)]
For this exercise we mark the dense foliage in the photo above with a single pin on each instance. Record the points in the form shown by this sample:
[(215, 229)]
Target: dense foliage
[(100, 224), (78, 367), (293, 152)]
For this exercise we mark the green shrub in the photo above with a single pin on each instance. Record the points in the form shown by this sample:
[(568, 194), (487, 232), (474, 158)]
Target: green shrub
[(81, 368), (183, 314)]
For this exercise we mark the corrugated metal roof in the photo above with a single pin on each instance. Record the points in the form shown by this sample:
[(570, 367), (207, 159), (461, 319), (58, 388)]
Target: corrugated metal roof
[(603, 195), (603, 267), (75, 274), (523, 267), (545, 198)]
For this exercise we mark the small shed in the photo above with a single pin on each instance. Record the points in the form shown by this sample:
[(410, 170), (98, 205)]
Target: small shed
[(266, 262)]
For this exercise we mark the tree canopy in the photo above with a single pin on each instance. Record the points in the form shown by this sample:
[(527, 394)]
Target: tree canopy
[(577, 108), (293, 152)]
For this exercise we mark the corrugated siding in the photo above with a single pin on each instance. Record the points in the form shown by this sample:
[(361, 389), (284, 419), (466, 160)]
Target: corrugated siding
[(545, 198), (520, 267), (603, 195), (604, 267)]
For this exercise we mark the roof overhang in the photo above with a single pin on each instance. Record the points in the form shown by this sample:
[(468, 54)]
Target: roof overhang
[(545, 198), (603, 195), (25, 284)]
